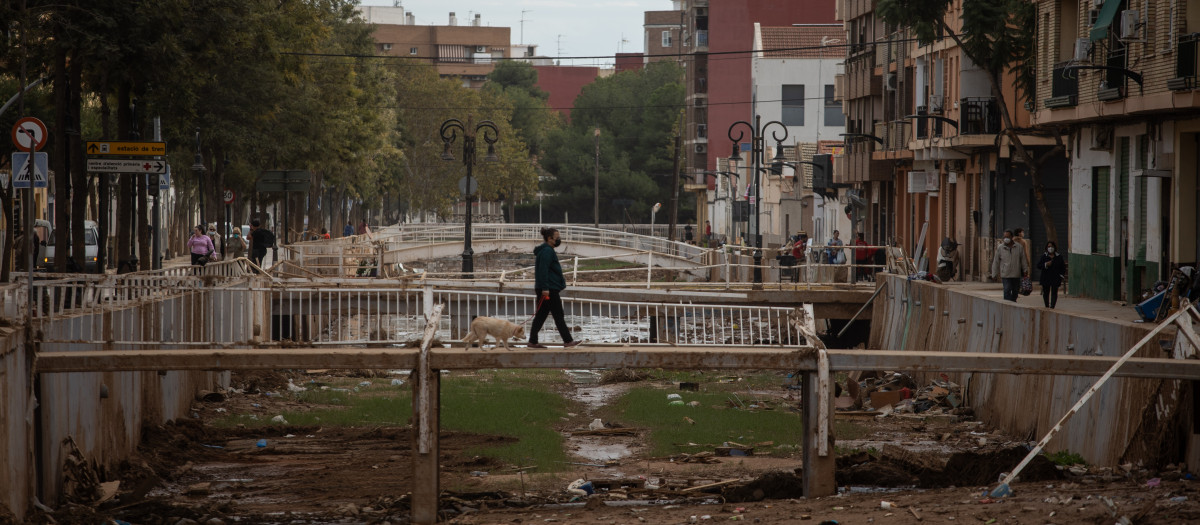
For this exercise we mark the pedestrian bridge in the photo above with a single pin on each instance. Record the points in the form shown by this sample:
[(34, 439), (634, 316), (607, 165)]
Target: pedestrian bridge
[(394, 246), (393, 250)]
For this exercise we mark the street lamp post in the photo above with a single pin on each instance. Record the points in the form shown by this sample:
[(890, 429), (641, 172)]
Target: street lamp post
[(198, 169), (756, 159), (449, 132)]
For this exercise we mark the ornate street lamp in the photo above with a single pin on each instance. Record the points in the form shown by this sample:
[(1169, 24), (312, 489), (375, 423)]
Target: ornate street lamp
[(757, 149), (449, 133)]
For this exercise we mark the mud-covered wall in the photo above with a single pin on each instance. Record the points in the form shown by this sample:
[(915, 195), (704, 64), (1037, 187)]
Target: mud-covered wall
[(104, 412), (1128, 420), (16, 429)]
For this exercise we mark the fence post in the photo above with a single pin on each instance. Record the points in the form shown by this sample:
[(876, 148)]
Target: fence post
[(725, 257), (649, 267), (575, 271)]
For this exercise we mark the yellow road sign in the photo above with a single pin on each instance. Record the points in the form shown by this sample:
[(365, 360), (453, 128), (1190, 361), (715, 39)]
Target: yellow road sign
[(127, 149)]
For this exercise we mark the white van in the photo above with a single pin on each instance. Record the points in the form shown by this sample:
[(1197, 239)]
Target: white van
[(91, 241)]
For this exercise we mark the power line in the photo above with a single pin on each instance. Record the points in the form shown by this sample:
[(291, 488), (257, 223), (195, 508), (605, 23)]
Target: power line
[(594, 57), (574, 108)]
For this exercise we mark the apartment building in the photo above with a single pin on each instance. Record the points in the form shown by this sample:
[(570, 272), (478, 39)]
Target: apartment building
[(468, 51), (793, 74), (719, 88), (924, 150), (1134, 132)]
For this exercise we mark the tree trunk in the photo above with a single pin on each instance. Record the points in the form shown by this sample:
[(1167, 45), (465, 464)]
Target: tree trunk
[(103, 195), (60, 161), (79, 199), (674, 194), (994, 78), (125, 185)]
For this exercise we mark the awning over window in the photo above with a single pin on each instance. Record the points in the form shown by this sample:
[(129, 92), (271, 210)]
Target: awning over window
[(1105, 20), (452, 53)]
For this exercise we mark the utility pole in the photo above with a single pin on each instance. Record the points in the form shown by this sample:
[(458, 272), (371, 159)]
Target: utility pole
[(674, 192), (596, 205)]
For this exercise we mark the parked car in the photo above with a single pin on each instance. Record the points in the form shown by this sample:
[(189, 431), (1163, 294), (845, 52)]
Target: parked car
[(91, 238)]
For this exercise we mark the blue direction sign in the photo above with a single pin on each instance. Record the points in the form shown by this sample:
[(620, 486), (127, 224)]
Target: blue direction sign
[(24, 171)]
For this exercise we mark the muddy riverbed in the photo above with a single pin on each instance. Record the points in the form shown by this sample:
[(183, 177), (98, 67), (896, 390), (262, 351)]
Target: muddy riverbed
[(191, 472)]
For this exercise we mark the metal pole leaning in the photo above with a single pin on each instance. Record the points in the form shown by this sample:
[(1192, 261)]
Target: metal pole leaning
[(1003, 489)]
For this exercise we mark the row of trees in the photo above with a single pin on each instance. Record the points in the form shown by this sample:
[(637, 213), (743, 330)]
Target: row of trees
[(288, 84)]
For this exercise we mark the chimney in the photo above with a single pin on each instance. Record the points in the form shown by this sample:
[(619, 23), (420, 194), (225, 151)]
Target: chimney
[(453, 19), (410, 19), (478, 20)]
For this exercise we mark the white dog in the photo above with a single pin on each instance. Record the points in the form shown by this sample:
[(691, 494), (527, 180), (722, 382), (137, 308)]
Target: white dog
[(501, 330)]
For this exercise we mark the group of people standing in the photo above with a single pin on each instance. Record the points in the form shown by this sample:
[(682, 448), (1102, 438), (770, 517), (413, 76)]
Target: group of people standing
[(203, 248), (1012, 265)]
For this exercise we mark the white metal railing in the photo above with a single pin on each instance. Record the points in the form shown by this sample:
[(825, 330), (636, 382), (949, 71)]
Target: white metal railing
[(65, 295), (393, 316)]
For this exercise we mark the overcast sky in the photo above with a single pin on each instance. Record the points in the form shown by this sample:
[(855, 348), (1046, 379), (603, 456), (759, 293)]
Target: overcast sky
[(584, 27)]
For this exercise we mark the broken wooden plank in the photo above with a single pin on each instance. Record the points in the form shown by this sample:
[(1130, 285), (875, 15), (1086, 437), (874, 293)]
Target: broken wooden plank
[(699, 488)]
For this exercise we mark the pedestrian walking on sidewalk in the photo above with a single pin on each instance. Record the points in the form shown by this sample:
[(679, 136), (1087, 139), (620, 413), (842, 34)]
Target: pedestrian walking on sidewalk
[(548, 283), (1052, 266), (1019, 238), (1009, 265), (237, 245), (260, 240), (200, 246)]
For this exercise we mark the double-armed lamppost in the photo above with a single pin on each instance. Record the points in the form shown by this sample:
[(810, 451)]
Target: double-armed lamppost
[(756, 160), (449, 133)]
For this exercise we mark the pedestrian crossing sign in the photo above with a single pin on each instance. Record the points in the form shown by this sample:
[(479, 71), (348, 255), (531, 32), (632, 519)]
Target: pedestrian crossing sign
[(25, 171)]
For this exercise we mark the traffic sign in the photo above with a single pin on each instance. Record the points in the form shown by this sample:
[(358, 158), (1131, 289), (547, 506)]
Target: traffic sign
[(466, 190), (22, 169), (29, 134), (126, 149), (164, 180), (228, 195), (284, 180), (126, 166)]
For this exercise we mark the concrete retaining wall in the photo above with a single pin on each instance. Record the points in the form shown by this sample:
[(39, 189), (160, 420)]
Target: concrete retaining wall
[(1129, 420), (16, 425), (104, 413)]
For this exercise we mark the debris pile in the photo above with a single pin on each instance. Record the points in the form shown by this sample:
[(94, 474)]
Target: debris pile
[(896, 393)]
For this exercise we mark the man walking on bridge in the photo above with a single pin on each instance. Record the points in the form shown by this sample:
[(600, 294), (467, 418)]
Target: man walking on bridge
[(548, 282)]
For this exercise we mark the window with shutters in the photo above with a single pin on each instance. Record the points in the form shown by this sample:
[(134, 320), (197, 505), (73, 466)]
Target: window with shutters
[(793, 105), (1100, 227), (833, 109), (1141, 218)]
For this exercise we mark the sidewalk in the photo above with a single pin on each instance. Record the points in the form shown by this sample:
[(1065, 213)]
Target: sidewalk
[(1074, 305)]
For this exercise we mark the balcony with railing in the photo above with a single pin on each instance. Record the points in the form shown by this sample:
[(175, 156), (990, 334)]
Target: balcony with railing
[(1064, 88), (1186, 65), (926, 127), (978, 116)]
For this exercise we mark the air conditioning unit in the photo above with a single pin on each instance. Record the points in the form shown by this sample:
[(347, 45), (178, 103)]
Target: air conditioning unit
[(1129, 24), (1083, 48), (699, 102), (700, 148), (1102, 139), (889, 82), (1093, 16), (481, 49), (1097, 4)]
